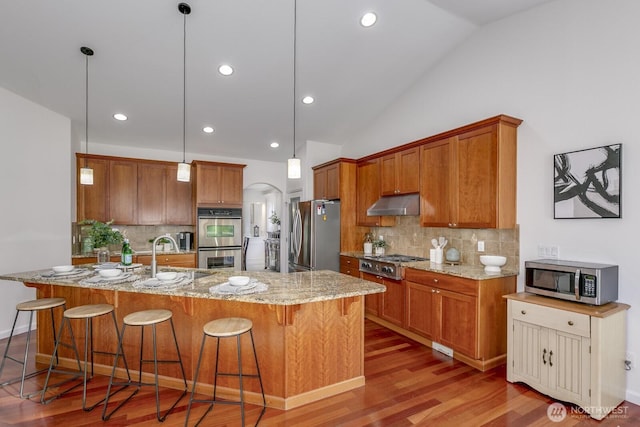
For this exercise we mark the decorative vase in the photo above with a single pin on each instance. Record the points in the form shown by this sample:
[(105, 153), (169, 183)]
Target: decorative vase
[(379, 251), (368, 248), (103, 255)]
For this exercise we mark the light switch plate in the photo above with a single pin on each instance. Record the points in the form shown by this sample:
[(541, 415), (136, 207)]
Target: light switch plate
[(480, 245)]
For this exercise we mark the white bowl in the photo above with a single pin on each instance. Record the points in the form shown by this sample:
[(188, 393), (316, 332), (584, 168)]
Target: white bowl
[(492, 263), (62, 268), (239, 280), (109, 272), (166, 275)]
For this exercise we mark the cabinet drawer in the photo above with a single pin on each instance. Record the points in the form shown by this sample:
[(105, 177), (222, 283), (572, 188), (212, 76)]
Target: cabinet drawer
[(442, 281), (561, 320), (349, 265)]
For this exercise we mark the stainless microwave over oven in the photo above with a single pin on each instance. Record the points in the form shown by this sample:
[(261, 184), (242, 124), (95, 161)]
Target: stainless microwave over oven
[(587, 283)]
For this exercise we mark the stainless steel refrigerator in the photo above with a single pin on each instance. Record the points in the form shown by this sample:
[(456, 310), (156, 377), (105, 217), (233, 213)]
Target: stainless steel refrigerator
[(314, 237)]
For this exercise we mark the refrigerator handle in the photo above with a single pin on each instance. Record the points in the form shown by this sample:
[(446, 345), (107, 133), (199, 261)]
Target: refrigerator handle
[(298, 232)]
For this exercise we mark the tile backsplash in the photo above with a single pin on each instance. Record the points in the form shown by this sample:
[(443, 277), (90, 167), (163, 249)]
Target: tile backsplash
[(407, 237), (138, 235)]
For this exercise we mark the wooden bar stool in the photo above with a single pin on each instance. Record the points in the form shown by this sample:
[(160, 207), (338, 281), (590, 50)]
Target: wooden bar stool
[(86, 313), (142, 319), (32, 307), (227, 328)]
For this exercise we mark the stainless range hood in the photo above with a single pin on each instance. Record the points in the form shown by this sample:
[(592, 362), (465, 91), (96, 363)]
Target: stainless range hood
[(406, 204)]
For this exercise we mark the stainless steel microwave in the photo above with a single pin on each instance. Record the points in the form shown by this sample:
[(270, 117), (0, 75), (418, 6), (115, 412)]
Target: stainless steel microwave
[(584, 282)]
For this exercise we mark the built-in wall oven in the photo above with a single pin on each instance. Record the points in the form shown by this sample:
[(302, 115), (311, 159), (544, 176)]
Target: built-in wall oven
[(220, 238)]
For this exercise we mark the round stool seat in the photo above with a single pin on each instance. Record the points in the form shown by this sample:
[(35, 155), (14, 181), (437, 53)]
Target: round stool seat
[(147, 317), (89, 310), (227, 327), (40, 304)]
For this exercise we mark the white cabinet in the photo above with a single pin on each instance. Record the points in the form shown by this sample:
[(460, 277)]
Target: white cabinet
[(569, 351)]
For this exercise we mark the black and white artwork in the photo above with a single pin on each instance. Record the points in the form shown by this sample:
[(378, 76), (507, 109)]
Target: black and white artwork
[(587, 183)]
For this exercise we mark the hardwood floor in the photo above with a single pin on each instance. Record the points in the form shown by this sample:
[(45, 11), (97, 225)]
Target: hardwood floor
[(407, 384)]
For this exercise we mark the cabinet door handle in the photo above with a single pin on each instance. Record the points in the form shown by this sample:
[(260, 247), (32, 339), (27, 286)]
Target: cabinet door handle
[(550, 354), (523, 311), (544, 354), (433, 291), (437, 291), (435, 280), (570, 322)]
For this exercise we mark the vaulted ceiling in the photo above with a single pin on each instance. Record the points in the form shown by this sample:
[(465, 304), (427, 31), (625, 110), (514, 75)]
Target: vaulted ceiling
[(352, 72)]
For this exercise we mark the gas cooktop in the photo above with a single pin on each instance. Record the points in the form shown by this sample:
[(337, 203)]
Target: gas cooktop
[(386, 265)]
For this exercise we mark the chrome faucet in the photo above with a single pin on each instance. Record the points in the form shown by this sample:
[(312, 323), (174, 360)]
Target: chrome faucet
[(154, 264)]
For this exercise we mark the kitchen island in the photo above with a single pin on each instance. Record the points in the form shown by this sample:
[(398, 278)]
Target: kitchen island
[(308, 327)]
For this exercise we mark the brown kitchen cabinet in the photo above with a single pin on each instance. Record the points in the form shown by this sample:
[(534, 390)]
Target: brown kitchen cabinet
[(443, 316), (218, 184), (326, 182), (162, 199), (372, 301), (388, 305), (179, 206), (400, 172), (170, 260), (337, 180), (133, 192), (466, 315), (123, 191), (468, 179), (368, 192), (152, 194), (349, 265), (93, 200)]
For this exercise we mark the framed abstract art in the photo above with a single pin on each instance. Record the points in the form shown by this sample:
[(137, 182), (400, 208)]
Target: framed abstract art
[(587, 183)]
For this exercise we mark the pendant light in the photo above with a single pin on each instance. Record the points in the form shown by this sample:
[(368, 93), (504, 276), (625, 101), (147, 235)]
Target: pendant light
[(86, 174), (293, 164), (184, 168)]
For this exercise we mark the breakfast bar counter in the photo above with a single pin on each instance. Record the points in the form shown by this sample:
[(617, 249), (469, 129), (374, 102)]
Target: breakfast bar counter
[(308, 326)]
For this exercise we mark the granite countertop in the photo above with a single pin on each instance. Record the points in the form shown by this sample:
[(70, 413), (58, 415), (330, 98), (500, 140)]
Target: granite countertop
[(283, 288), (475, 272)]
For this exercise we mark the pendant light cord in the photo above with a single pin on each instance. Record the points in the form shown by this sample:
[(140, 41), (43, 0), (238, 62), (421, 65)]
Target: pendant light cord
[(184, 87), (86, 110), (87, 53), (294, 75)]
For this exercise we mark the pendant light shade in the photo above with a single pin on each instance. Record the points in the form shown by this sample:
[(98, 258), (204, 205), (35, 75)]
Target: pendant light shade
[(293, 164), (293, 168), (184, 168), (86, 174)]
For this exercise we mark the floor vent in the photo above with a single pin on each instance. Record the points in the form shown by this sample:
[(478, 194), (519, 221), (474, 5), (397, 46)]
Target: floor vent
[(442, 349)]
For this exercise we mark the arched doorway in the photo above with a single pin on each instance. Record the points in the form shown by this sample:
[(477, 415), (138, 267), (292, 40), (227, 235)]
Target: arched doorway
[(261, 222)]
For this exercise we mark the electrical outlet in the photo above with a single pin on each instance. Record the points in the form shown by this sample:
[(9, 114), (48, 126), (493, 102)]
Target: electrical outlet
[(552, 252), (480, 245)]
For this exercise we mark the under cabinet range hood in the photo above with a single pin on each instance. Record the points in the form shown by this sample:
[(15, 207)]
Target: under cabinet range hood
[(406, 204)]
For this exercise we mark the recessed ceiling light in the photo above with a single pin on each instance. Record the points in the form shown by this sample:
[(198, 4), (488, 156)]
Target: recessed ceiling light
[(308, 100), (368, 19), (207, 129), (119, 116), (274, 145), (225, 70)]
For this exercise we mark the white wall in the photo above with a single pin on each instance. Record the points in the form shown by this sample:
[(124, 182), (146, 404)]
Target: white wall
[(571, 70), (35, 222)]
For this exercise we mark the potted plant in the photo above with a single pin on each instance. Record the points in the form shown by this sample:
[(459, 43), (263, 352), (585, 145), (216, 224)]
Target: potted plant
[(379, 246), (102, 235), (275, 220)]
